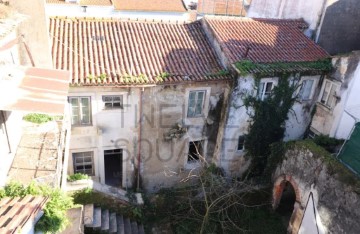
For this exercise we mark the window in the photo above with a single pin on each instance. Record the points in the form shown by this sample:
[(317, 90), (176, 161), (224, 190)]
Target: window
[(265, 89), (113, 102), (195, 151), (196, 103), (241, 142), (329, 92), (80, 110), (83, 163), (306, 90)]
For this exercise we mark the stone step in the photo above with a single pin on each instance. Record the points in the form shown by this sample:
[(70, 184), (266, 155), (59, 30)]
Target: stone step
[(113, 223), (120, 224), (141, 229), (134, 228), (105, 221), (75, 217), (88, 215), (127, 226), (97, 218)]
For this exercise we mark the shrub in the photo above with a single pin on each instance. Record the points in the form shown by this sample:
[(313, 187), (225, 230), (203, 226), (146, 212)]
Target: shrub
[(77, 176), (38, 118), (329, 143), (54, 219)]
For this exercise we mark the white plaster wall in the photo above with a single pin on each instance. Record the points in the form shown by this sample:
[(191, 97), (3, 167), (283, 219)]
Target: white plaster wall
[(111, 129), (109, 11), (351, 113), (309, 10)]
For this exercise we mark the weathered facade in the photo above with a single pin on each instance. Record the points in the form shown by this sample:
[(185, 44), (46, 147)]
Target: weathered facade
[(162, 97), (312, 171), (338, 106)]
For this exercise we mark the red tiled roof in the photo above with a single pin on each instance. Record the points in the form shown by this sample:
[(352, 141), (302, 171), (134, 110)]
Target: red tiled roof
[(222, 7), (16, 212), (131, 52), (269, 40), (150, 5)]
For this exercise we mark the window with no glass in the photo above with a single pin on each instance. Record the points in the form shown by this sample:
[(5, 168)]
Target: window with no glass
[(195, 151), (196, 103), (112, 102), (80, 110), (306, 89), (83, 163), (265, 89), (241, 142)]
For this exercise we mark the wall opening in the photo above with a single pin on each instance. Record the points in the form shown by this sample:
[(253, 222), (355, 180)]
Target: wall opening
[(195, 151), (113, 167), (287, 202)]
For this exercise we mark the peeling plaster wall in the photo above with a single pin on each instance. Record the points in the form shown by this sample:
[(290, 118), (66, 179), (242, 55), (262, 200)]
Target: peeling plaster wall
[(336, 201), (110, 129), (164, 162), (237, 122), (309, 10), (339, 120)]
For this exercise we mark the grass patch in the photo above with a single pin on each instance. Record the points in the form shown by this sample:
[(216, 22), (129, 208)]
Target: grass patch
[(54, 219), (38, 118), (77, 176)]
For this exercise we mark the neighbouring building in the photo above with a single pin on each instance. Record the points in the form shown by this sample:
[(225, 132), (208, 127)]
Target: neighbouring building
[(263, 42), (23, 89), (150, 99), (324, 18), (173, 10), (338, 106), (223, 7)]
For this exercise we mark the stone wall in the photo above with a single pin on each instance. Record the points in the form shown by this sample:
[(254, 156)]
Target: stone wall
[(335, 189)]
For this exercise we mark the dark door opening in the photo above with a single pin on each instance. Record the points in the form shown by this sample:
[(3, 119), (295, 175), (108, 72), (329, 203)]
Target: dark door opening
[(113, 167), (286, 205)]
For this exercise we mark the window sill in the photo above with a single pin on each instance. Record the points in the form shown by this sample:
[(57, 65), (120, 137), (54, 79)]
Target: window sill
[(324, 107), (192, 165)]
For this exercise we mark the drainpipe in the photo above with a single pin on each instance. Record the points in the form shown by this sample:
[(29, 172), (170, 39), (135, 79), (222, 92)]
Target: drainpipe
[(6, 131), (139, 139)]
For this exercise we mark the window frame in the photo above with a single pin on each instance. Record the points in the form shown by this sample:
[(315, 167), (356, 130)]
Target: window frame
[(80, 112), (311, 93), (243, 144), (323, 89), (200, 151), (121, 107), (82, 154), (196, 100), (261, 93)]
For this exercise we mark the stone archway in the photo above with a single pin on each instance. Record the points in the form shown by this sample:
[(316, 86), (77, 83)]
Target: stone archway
[(279, 185)]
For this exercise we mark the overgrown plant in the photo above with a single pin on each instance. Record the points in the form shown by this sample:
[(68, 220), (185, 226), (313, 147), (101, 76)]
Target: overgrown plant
[(268, 119), (38, 118), (77, 176), (54, 219)]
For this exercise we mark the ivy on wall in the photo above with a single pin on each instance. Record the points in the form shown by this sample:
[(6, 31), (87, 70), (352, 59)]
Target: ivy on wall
[(268, 118)]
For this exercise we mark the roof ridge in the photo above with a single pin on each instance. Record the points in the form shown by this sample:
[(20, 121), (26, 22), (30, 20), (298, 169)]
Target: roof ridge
[(223, 17), (118, 19)]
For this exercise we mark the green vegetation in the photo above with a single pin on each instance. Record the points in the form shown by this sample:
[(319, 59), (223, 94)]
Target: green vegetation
[(334, 167), (77, 176), (38, 118), (267, 125), (162, 77), (54, 218), (262, 69), (329, 143)]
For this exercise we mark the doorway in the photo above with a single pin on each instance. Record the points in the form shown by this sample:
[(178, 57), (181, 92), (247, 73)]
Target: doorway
[(113, 167), (287, 202)]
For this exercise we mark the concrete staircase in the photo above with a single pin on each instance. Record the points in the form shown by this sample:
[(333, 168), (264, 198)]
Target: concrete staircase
[(98, 220)]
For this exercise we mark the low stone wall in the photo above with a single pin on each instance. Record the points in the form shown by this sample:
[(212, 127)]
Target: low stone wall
[(336, 191)]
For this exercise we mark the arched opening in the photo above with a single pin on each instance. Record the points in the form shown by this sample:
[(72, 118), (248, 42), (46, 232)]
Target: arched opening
[(287, 201)]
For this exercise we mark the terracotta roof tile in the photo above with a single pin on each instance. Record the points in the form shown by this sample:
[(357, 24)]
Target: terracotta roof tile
[(269, 40), (15, 212), (150, 5), (131, 52)]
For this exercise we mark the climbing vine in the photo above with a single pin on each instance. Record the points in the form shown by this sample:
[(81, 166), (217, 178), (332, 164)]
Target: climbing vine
[(268, 118)]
